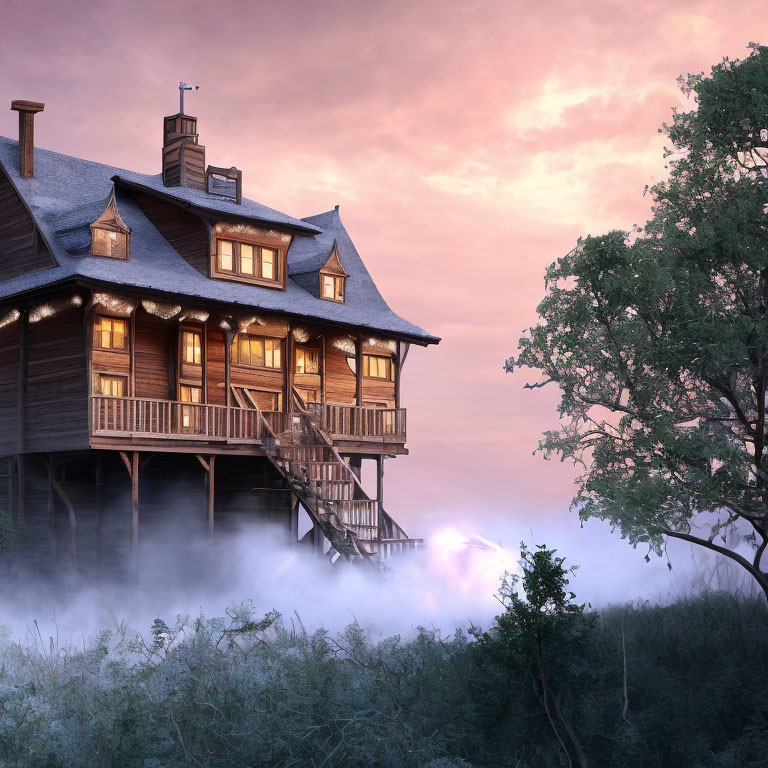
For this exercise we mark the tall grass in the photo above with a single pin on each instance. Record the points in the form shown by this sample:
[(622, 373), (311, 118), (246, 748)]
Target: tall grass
[(683, 685)]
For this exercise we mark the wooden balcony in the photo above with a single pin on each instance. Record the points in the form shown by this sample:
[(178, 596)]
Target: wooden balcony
[(140, 419), (360, 423)]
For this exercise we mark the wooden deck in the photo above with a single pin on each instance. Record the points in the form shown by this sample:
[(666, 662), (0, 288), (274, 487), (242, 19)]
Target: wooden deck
[(141, 419)]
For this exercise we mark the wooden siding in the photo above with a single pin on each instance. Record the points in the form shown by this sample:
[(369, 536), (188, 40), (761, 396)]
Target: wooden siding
[(9, 388), (56, 415), (183, 230), (22, 249), (214, 364), (379, 391), (153, 360), (340, 381)]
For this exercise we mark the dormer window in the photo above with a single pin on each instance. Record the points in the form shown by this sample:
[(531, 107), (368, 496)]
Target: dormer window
[(333, 278), (250, 261), (110, 235), (332, 287)]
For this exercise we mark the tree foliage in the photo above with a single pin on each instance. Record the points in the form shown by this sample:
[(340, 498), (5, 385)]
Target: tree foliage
[(658, 338)]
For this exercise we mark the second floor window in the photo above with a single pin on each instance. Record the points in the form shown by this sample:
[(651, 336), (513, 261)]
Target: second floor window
[(112, 386), (307, 361), (256, 351), (247, 260), (377, 367), (110, 333), (191, 346)]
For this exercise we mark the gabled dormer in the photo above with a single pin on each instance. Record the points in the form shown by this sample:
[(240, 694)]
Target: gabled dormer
[(110, 235), (333, 277)]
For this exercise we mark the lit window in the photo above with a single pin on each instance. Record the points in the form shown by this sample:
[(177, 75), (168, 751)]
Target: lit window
[(190, 416), (246, 259), (307, 361), (268, 259), (112, 386), (110, 333), (332, 287), (226, 255), (191, 345), (377, 367), (256, 351)]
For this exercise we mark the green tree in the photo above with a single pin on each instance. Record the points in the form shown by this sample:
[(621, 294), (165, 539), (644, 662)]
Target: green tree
[(658, 338), (539, 634)]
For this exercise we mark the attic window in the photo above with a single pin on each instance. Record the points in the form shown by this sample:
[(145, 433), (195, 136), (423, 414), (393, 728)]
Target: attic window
[(333, 278), (226, 182), (332, 287), (110, 235)]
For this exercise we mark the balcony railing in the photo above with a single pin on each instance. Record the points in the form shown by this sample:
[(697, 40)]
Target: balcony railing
[(356, 422), (171, 419)]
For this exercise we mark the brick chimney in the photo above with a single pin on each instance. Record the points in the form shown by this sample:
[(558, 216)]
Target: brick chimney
[(183, 157), (27, 111)]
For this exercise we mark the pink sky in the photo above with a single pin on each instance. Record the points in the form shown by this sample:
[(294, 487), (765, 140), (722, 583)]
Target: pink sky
[(468, 145)]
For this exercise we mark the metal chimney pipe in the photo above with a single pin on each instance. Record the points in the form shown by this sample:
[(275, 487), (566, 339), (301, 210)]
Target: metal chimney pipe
[(27, 111)]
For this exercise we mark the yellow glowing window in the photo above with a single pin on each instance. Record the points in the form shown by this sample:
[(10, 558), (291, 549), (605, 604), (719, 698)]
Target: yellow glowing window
[(332, 287), (246, 259), (190, 416), (268, 259), (110, 333), (112, 386), (377, 367), (256, 351), (226, 255), (191, 344), (307, 361)]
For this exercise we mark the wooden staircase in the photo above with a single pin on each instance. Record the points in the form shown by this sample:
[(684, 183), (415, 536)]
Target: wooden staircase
[(356, 526)]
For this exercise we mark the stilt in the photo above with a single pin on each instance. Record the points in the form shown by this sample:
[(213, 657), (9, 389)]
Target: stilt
[(60, 492), (134, 517), (380, 499), (294, 518), (21, 488), (209, 466), (99, 513)]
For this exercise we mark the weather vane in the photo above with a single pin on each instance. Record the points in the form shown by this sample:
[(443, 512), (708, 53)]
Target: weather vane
[(185, 87)]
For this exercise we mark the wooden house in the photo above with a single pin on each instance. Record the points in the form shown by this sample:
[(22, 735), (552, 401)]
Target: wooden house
[(163, 337)]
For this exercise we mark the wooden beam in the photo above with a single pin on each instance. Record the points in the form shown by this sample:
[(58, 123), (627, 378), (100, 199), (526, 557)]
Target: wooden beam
[(228, 336), (211, 492), (322, 373), (99, 513), (21, 413), (134, 517), (397, 360), (380, 499), (289, 366), (358, 371), (127, 463), (70, 510), (206, 467)]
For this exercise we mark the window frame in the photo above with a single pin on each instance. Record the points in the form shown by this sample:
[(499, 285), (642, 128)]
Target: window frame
[(99, 375), (257, 276), (252, 336), (197, 332), (304, 351), (98, 334), (366, 367), (188, 413), (337, 279)]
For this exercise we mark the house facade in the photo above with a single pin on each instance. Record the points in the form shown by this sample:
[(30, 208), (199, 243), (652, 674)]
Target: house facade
[(165, 342)]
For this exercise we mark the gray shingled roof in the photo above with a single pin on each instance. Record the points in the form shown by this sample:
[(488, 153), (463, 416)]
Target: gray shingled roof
[(67, 194)]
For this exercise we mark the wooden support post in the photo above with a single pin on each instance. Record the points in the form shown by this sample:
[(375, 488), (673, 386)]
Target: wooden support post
[(211, 492), (380, 499), (133, 472), (323, 373), (358, 371), (70, 511), (21, 414), (99, 513), (228, 336), (289, 368), (294, 518), (398, 360)]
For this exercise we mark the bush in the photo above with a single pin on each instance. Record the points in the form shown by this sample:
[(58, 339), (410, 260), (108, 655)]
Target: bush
[(253, 691)]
